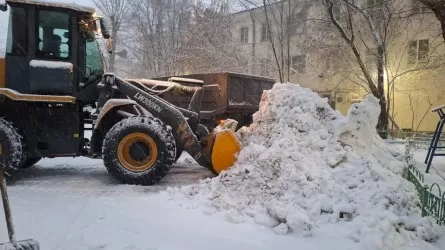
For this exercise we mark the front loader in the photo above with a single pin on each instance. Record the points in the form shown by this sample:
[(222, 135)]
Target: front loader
[(53, 89), (151, 133)]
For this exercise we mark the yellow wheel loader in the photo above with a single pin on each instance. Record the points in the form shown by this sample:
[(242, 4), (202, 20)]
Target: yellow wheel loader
[(53, 88)]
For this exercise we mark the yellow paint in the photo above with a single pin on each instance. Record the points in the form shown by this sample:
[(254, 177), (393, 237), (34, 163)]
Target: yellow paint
[(76, 135), (16, 96), (225, 148), (2, 73), (124, 152)]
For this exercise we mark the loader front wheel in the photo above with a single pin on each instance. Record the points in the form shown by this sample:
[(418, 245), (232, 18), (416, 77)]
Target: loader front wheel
[(10, 148), (139, 150)]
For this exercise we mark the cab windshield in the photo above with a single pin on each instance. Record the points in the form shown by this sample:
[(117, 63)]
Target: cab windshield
[(93, 61)]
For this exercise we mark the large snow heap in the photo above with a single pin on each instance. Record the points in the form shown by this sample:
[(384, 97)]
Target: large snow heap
[(304, 165)]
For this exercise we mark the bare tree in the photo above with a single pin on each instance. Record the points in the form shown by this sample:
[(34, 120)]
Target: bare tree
[(209, 42), (438, 8), (416, 97), (272, 40), (116, 11), (348, 32), (280, 21), (182, 36), (378, 40), (157, 30)]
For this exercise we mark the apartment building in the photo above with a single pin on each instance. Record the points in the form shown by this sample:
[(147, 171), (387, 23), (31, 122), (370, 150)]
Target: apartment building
[(310, 52)]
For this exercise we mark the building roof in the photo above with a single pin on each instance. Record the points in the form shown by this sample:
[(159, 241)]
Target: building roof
[(70, 6), (255, 7)]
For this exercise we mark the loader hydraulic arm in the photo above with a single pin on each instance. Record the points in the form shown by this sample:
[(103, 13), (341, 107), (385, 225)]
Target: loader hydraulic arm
[(161, 109)]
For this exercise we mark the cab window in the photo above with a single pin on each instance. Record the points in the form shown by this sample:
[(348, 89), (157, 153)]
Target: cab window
[(54, 35), (93, 60)]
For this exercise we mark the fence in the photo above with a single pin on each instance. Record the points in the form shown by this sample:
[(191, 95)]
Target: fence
[(432, 200), (419, 139)]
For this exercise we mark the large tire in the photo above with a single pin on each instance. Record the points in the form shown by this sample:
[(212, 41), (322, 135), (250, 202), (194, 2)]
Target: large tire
[(139, 150), (178, 153), (11, 150), (27, 160)]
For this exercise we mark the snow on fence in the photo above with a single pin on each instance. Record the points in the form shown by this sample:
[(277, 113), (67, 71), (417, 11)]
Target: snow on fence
[(419, 139), (432, 200)]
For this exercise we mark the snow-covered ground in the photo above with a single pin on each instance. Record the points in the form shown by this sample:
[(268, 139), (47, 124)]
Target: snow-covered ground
[(67, 203), (437, 169)]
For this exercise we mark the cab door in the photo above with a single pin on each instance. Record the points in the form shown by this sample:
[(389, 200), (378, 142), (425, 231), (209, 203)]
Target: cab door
[(17, 47)]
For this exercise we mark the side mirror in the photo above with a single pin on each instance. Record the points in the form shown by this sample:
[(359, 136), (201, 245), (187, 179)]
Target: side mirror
[(105, 29), (3, 7)]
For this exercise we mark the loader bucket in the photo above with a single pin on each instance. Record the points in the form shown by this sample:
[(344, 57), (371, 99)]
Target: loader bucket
[(223, 146)]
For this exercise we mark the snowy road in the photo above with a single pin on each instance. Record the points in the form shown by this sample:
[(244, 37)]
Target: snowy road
[(70, 203), (88, 177), (74, 204)]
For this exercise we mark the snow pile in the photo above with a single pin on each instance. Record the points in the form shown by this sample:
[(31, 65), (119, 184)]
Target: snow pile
[(304, 165)]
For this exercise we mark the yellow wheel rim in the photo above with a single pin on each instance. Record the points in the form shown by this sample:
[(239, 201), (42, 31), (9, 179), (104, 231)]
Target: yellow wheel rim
[(137, 152)]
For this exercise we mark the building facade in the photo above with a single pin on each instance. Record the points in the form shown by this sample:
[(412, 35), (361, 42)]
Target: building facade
[(301, 43)]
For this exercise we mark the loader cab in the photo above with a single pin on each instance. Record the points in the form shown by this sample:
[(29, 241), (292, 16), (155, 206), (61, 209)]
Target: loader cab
[(52, 49)]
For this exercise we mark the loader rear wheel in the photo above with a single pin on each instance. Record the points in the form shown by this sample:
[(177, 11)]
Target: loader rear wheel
[(10, 148), (139, 150)]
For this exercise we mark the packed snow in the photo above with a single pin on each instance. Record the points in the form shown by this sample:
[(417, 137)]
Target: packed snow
[(51, 64), (305, 167), (67, 203)]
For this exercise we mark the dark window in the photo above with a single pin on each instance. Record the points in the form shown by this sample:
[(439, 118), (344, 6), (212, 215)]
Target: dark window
[(244, 35), (423, 50), (412, 52), (53, 35), (264, 32), (418, 51), (336, 10), (298, 23), (299, 64), (17, 42)]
